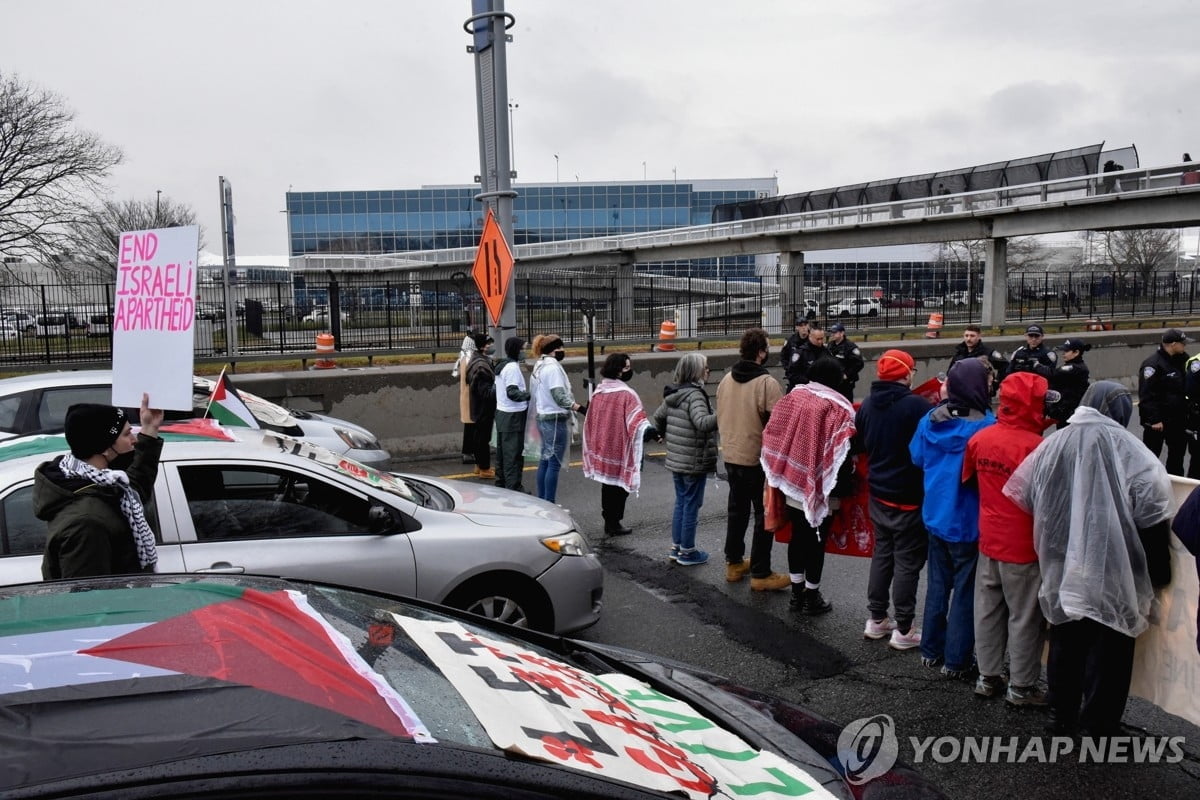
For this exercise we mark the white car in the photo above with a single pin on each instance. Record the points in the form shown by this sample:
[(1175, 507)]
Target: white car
[(38, 404), (321, 316), (265, 503), (855, 307), (8, 331)]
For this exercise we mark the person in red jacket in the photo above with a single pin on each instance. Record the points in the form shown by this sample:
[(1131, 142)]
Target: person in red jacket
[(1007, 615)]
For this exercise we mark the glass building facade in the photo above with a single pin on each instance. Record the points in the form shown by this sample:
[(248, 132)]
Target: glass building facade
[(440, 217)]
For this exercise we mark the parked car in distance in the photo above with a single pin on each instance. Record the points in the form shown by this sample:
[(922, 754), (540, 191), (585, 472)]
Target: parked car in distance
[(38, 404), (8, 331), (49, 324), (320, 315), (812, 309), (933, 301), (855, 307), (899, 301), (343, 694), (265, 503)]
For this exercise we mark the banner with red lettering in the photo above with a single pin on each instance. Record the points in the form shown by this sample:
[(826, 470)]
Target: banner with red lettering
[(154, 311)]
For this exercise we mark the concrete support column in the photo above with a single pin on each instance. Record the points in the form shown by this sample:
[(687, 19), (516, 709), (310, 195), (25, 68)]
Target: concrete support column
[(995, 282), (791, 288), (622, 306)]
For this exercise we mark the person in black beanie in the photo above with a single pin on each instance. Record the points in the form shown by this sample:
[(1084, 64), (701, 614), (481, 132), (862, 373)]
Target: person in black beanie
[(93, 499)]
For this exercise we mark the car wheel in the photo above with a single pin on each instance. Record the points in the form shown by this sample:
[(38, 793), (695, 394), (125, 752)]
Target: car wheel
[(872, 313), (843, 313), (509, 599)]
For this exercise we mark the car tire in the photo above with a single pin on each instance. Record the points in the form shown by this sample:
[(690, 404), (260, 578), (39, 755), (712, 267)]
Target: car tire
[(843, 313), (872, 313), (514, 599)]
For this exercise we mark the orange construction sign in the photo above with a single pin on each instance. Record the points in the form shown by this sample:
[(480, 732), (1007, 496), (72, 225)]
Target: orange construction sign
[(493, 267)]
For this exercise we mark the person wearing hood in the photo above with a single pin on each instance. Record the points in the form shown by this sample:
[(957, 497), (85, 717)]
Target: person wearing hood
[(1007, 616), (1070, 379), (686, 420), (805, 450), (93, 498), (886, 422), (1101, 505), (951, 514), (512, 403), (464, 397), (553, 404), (480, 376), (745, 397)]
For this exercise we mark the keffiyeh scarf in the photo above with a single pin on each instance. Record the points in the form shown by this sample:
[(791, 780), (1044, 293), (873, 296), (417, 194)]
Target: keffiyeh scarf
[(612, 436), (804, 444), (131, 504)]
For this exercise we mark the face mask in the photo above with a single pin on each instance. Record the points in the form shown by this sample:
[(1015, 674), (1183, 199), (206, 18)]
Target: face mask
[(626, 375), (122, 462), (489, 350), (520, 355), (559, 355)]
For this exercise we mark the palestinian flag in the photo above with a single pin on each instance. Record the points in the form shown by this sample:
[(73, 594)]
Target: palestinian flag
[(101, 676), (226, 405), (184, 430)]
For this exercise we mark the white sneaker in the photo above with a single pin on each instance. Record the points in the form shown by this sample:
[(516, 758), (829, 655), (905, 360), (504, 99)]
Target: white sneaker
[(879, 630), (905, 641)]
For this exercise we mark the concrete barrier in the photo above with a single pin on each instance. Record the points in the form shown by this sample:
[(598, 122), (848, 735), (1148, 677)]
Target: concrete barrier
[(414, 409)]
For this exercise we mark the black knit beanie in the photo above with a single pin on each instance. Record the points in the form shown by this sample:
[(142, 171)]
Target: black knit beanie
[(512, 346), (92, 428)]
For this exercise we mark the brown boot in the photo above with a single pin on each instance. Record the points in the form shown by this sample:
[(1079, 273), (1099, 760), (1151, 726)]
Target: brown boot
[(772, 583), (735, 572), (485, 473)]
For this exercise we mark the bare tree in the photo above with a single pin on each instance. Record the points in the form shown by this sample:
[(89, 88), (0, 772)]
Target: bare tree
[(50, 170), (94, 238), (1141, 251)]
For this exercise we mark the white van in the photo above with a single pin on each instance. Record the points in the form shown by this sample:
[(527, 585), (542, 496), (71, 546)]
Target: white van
[(52, 324)]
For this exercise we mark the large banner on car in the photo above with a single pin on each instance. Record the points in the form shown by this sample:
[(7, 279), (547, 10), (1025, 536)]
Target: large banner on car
[(611, 725), (154, 310)]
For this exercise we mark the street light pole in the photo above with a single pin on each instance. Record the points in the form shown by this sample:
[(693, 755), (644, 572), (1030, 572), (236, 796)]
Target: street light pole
[(157, 206), (556, 167), (512, 140)]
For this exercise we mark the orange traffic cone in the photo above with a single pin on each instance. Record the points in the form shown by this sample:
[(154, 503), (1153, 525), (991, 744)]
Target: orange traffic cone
[(933, 328), (666, 336)]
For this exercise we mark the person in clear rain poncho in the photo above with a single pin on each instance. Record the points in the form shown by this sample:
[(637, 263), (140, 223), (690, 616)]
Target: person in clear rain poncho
[(1101, 503)]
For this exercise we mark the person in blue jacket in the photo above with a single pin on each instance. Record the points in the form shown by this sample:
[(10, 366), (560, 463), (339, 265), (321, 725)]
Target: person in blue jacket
[(950, 511), (1187, 527)]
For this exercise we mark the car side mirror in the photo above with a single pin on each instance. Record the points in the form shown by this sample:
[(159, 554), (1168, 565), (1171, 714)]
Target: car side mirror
[(380, 519)]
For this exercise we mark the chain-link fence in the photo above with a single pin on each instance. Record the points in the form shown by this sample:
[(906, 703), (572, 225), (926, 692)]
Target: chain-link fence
[(66, 323)]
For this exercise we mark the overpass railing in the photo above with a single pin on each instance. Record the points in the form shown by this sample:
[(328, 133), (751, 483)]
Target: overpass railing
[(51, 324)]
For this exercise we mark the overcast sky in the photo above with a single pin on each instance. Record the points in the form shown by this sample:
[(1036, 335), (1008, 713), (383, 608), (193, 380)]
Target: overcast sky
[(380, 94)]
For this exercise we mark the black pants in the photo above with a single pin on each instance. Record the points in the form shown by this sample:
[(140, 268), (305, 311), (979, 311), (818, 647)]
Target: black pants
[(1092, 663), (1175, 437), (901, 545), (612, 504), (510, 444), (746, 485), (806, 550), (481, 446), (469, 438)]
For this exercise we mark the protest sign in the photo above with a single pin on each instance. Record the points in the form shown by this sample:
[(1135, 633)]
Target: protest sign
[(154, 310)]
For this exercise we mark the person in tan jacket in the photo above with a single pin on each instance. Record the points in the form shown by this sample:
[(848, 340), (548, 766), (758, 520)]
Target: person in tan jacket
[(745, 397)]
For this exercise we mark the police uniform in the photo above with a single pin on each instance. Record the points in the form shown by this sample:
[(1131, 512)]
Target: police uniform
[(1040, 359), (995, 358), (1162, 398), (801, 361), (849, 356), (1070, 379), (1191, 388)]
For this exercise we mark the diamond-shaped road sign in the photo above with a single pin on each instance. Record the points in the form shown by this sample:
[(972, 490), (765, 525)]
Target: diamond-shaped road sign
[(493, 267)]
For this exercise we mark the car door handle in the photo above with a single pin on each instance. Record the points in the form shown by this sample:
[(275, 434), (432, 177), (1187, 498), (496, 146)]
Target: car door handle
[(222, 568)]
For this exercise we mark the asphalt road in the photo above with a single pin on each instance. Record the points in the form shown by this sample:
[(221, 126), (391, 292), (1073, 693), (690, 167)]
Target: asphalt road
[(692, 615)]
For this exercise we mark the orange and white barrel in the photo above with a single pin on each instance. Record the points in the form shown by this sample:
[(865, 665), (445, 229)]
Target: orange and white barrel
[(324, 352), (666, 336), (933, 328)]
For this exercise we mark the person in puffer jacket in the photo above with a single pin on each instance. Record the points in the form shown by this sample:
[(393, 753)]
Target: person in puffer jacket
[(951, 514), (688, 424)]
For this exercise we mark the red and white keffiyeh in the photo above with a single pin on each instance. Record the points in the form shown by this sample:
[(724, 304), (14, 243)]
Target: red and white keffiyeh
[(804, 444), (612, 436)]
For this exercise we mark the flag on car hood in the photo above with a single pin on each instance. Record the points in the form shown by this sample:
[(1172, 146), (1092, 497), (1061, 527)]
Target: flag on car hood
[(116, 642), (226, 405)]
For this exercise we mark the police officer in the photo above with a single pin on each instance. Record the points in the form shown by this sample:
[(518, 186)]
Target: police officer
[(1162, 401), (791, 348), (848, 355), (1069, 379), (1033, 356), (805, 356), (1191, 385), (972, 346)]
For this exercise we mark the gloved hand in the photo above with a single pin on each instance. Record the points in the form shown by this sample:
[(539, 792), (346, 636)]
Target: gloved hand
[(582, 411)]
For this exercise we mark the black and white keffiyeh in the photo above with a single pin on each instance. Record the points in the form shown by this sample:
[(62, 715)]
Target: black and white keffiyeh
[(131, 504)]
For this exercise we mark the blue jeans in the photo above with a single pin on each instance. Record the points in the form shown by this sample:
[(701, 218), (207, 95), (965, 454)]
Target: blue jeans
[(554, 446), (689, 496), (949, 631)]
